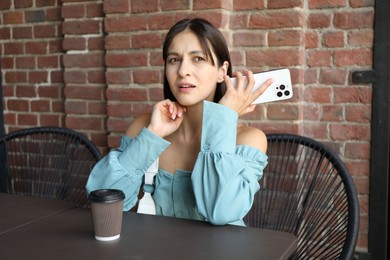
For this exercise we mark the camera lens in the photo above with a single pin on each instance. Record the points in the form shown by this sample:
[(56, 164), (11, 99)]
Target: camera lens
[(279, 93), (287, 93), (282, 87)]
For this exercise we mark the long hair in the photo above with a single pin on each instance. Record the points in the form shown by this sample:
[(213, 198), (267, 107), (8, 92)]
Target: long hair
[(211, 40)]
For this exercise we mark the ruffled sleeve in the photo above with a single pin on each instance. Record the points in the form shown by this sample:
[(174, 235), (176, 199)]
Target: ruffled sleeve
[(124, 167), (225, 177)]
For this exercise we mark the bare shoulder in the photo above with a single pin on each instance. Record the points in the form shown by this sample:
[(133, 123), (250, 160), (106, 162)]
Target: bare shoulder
[(137, 125), (251, 136)]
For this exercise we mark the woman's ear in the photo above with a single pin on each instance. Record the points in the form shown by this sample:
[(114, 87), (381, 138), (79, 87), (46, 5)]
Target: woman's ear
[(222, 71)]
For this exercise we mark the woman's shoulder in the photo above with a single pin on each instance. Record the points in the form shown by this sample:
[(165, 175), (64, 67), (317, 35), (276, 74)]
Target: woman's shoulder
[(251, 136), (137, 125)]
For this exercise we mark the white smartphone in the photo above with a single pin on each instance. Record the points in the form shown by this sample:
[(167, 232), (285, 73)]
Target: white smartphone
[(280, 89)]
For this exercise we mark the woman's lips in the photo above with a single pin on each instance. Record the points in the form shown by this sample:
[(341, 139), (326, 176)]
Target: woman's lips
[(186, 87)]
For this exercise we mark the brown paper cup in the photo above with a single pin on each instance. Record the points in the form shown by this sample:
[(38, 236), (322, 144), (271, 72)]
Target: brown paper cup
[(107, 212)]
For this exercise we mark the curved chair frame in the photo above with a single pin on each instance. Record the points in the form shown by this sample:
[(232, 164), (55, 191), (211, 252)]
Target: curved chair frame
[(307, 190), (48, 162)]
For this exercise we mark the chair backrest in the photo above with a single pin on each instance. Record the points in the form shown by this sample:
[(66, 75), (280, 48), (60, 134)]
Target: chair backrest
[(48, 162), (307, 190)]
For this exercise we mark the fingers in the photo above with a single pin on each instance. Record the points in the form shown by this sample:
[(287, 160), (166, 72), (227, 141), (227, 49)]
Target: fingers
[(245, 81), (240, 96), (175, 109), (166, 117), (179, 110), (250, 108), (229, 84), (258, 92), (250, 81), (240, 81)]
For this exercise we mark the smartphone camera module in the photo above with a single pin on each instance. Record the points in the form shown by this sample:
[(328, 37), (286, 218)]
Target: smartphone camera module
[(282, 91)]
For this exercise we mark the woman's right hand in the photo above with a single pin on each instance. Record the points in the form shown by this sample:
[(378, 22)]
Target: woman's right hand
[(240, 97), (166, 118)]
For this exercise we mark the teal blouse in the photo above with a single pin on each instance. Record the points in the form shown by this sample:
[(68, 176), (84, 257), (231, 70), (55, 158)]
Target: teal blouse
[(221, 187)]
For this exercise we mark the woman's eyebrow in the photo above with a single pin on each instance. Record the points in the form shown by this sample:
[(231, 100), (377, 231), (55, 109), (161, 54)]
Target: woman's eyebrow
[(195, 52), (172, 53)]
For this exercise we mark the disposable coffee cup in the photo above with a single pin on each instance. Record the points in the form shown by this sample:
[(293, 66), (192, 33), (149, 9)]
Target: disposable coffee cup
[(107, 212)]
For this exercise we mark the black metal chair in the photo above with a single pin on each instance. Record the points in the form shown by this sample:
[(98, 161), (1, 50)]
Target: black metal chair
[(48, 162), (307, 190)]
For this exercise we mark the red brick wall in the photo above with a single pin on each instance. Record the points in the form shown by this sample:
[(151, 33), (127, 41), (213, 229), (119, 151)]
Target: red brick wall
[(94, 65), (31, 60), (84, 68)]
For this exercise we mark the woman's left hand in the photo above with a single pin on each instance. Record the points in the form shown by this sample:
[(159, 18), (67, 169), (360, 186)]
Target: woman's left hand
[(240, 97)]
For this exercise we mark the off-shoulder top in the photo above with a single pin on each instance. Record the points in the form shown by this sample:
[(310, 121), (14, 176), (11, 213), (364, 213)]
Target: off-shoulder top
[(221, 187)]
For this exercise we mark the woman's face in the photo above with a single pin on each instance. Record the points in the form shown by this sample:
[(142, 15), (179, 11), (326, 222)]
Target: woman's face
[(190, 73)]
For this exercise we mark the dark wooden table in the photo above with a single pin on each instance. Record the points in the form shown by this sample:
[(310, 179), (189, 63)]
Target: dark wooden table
[(64, 232), (17, 211)]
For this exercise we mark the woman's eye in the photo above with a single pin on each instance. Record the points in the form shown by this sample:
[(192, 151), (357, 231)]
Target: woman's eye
[(199, 59), (173, 60)]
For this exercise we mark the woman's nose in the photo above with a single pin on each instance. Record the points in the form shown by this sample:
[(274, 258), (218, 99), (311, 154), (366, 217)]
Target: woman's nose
[(184, 69)]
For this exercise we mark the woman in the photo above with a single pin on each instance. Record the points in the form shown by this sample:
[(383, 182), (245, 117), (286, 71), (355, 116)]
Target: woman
[(209, 165)]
